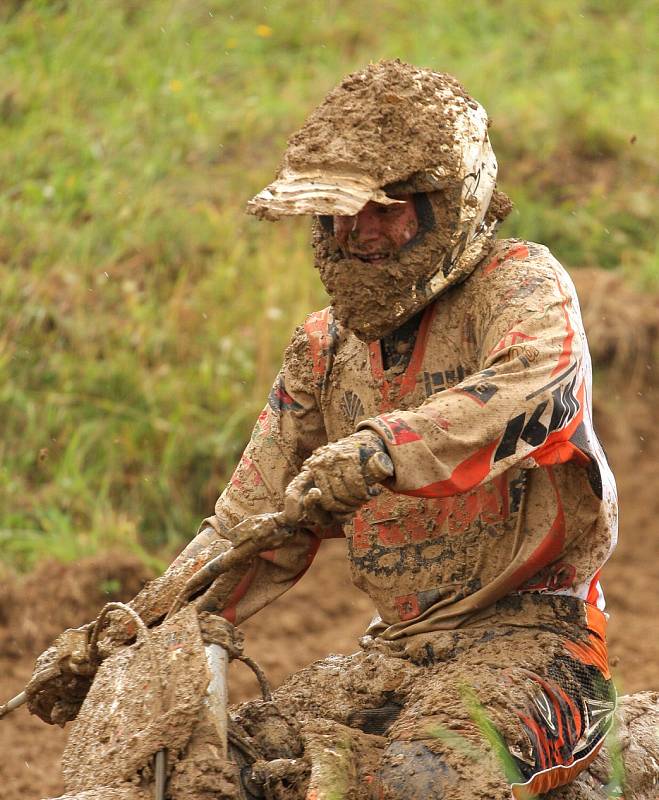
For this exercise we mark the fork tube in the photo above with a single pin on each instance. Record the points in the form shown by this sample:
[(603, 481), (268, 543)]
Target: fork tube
[(217, 694), (161, 774)]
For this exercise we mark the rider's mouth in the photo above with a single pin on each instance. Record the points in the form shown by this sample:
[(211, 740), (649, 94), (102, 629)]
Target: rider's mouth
[(371, 257)]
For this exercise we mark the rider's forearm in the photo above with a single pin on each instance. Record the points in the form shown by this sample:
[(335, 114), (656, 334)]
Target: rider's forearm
[(271, 574), (156, 598)]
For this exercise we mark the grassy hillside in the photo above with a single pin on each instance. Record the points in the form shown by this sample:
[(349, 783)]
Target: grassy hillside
[(142, 315)]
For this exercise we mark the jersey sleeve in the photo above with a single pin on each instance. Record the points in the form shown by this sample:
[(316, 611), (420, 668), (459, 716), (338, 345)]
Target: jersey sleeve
[(525, 402), (287, 431)]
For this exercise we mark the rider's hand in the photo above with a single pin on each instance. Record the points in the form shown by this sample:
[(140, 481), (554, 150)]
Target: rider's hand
[(338, 478), (61, 679), (65, 671)]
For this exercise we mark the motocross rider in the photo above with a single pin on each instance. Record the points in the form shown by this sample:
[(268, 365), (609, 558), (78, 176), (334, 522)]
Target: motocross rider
[(463, 358)]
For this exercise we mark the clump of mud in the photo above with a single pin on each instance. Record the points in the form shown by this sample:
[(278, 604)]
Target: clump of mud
[(389, 119), (144, 698), (500, 207), (35, 608)]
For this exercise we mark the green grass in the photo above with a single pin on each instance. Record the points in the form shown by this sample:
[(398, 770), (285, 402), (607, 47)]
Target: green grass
[(142, 315)]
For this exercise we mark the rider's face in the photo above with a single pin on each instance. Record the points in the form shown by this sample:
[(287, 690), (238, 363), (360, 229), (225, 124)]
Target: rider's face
[(378, 231)]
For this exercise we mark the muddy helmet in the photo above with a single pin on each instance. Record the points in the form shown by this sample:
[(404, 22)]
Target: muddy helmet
[(387, 130)]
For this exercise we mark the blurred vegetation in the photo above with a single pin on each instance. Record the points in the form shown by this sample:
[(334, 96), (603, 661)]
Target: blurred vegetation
[(143, 316)]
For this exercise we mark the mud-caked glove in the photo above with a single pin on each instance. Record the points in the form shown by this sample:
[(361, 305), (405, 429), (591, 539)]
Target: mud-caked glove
[(64, 672), (62, 676), (338, 478)]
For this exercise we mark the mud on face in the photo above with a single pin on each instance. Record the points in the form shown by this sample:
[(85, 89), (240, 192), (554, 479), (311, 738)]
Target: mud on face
[(372, 299)]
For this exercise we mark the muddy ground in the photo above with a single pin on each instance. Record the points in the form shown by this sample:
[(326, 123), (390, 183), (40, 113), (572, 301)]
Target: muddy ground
[(324, 613)]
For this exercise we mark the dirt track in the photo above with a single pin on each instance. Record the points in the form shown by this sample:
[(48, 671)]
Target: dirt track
[(324, 613)]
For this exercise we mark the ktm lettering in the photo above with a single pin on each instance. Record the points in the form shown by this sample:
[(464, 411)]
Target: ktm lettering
[(532, 430)]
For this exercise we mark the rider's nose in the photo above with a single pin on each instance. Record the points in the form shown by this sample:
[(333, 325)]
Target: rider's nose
[(366, 227)]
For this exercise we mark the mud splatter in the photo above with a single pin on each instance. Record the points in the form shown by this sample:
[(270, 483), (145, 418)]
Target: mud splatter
[(500, 206), (145, 698), (377, 111)]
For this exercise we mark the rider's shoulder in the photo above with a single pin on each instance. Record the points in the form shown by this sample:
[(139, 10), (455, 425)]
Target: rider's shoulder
[(315, 340), (512, 260)]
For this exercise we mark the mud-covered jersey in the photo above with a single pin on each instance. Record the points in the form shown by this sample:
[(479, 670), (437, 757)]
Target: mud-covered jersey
[(500, 486)]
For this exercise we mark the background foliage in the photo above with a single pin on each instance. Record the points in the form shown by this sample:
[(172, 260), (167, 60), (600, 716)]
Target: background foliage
[(142, 315)]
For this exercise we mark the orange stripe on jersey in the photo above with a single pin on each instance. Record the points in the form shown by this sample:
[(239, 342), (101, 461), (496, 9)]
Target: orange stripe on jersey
[(407, 381), (594, 589), (317, 329), (561, 453), (521, 251), (464, 477), (229, 611), (408, 378), (566, 353)]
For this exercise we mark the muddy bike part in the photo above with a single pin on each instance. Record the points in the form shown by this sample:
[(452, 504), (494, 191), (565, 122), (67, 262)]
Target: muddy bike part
[(160, 773), (217, 695), (160, 763), (216, 701), (160, 758)]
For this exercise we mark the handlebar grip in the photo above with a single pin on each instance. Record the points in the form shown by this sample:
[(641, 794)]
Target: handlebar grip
[(378, 467)]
